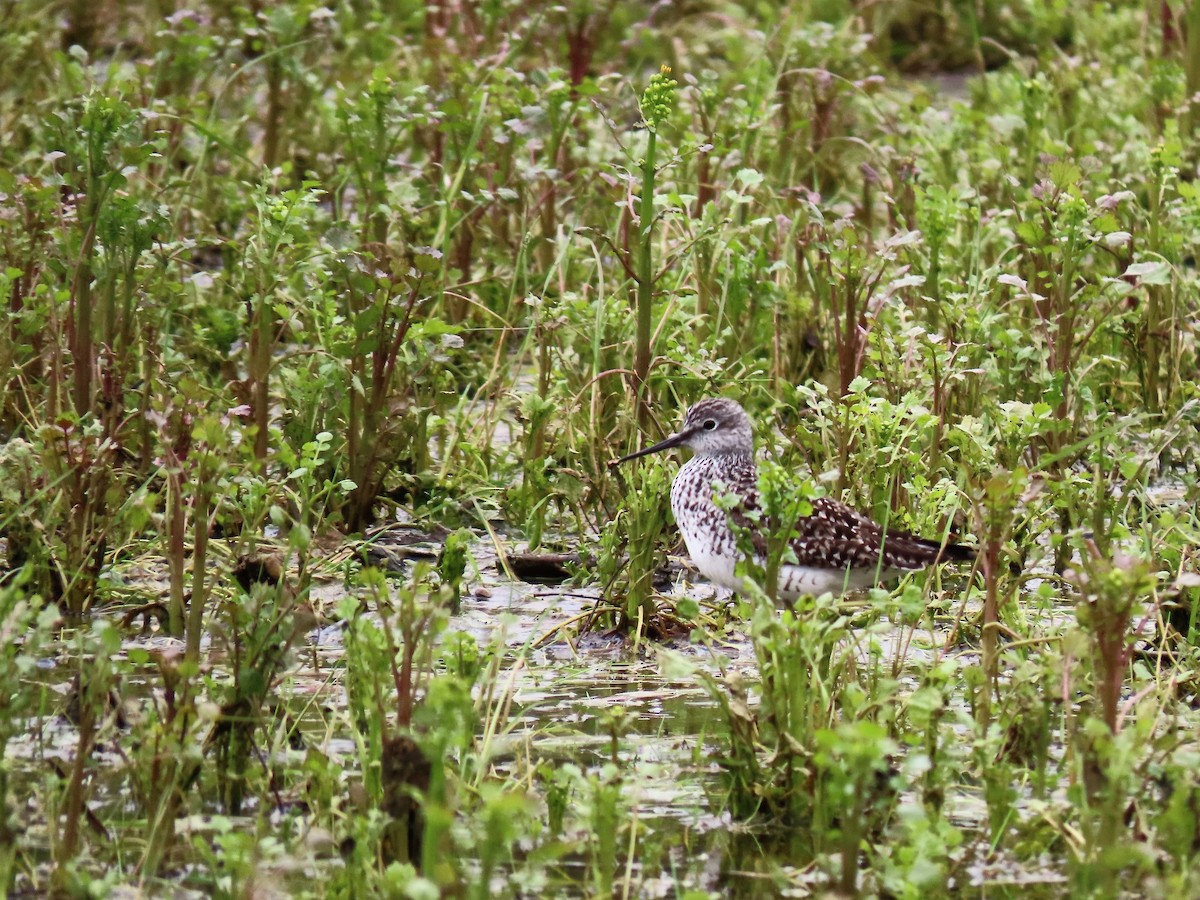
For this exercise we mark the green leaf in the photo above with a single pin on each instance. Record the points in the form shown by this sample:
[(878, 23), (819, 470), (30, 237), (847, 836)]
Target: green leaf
[(1150, 272), (749, 178)]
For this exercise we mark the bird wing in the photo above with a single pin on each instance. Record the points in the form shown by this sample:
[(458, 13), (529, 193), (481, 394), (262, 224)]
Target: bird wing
[(836, 536)]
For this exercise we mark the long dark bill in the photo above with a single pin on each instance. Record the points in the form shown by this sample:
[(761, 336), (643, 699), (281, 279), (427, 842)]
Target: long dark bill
[(665, 444)]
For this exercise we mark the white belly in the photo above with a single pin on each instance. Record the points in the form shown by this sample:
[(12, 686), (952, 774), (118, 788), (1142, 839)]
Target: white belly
[(794, 581), (712, 547), (716, 567), (717, 560)]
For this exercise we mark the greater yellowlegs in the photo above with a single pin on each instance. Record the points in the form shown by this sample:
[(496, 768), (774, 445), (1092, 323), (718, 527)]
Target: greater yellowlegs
[(836, 549)]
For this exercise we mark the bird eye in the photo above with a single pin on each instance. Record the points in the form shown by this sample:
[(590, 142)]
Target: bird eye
[(710, 425)]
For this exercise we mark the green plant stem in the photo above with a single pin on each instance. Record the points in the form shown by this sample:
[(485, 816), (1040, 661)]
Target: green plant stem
[(195, 616), (850, 831), (645, 281), (175, 541), (260, 369), (274, 116), (82, 345), (989, 631), (68, 845)]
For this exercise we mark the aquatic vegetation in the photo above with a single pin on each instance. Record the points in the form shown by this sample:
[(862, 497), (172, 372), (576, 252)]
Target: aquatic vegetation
[(322, 325)]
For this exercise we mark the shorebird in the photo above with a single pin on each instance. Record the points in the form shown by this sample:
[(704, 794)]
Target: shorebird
[(837, 549)]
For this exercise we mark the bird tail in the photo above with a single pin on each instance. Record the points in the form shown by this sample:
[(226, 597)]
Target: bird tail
[(950, 551)]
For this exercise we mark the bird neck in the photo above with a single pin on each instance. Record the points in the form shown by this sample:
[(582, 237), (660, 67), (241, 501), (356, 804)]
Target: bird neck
[(740, 455)]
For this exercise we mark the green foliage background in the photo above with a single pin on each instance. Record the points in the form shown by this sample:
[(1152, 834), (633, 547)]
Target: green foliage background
[(324, 266)]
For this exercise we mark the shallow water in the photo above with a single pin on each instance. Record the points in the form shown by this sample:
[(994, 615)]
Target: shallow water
[(564, 690)]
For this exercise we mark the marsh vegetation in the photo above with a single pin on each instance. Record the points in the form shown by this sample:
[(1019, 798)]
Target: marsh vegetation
[(321, 324)]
